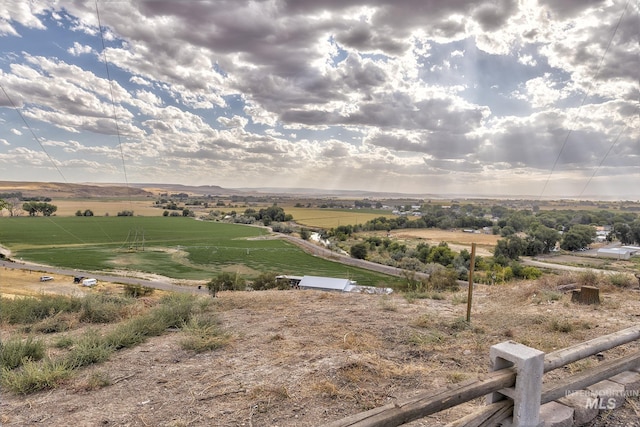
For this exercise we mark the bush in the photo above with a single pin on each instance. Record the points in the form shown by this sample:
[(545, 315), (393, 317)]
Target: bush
[(59, 323), (267, 281), (588, 278), (443, 280), (359, 251), (174, 311), (203, 334), (530, 273), (89, 349), (35, 376), (622, 280), (33, 309), (136, 291), (16, 351), (226, 282), (99, 308)]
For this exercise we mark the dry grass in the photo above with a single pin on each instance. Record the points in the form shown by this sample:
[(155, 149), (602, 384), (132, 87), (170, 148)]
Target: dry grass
[(305, 358)]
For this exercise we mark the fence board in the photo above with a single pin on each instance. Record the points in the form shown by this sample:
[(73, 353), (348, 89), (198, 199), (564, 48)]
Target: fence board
[(404, 411), (428, 403), (577, 352), (590, 376)]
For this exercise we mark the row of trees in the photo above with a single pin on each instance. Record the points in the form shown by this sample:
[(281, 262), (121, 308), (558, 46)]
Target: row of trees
[(34, 208)]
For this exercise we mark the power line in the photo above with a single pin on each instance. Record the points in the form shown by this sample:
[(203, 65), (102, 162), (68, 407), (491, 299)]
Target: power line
[(564, 143), (615, 141), (113, 103)]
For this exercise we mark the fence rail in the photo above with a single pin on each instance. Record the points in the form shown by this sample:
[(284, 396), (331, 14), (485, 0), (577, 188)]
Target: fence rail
[(503, 381)]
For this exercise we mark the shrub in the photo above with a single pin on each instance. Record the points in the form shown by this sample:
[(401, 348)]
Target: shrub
[(174, 311), (443, 280), (531, 273), (135, 291), (35, 376), (33, 309), (622, 280), (101, 308), (563, 326), (89, 349), (16, 351), (588, 278), (226, 282), (51, 325), (203, 334), (268, 281)]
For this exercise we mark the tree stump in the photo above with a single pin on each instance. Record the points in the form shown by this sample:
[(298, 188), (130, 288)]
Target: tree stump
[(586, 295)]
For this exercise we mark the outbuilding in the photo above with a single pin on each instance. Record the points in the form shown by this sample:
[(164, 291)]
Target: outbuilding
[(326, 283), (617, 253)]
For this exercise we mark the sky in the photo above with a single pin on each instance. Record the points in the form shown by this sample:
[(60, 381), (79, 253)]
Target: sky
[(501, 98)]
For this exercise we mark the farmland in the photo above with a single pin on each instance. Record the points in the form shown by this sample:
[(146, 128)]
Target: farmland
[(176, 247), (330, 218)]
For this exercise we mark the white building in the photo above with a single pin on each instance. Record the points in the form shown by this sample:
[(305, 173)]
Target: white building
[(617, 253)]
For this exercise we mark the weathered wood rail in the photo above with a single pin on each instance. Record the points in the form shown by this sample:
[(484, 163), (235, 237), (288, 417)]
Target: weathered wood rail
[(504, 383)]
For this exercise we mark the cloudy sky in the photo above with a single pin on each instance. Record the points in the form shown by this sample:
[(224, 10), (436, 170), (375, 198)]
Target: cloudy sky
[(484, 97)]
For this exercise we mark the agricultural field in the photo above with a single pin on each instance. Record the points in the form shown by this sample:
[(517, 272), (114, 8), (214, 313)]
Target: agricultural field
[(331, 218), (457, 240), (102, 207), (175, 247)]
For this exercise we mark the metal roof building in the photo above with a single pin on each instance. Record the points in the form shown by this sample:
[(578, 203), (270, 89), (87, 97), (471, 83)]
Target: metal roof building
[(617, 253), (326, 283)]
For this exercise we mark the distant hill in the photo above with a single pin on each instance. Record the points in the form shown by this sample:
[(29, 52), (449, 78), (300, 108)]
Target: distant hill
[(66, 190)]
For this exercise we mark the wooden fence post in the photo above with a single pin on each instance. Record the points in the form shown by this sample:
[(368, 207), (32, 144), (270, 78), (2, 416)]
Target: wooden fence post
[(470, 292)]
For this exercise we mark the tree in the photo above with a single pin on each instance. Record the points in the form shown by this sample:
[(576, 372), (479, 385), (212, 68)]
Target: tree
[(13, 206), (441, 254), (226, 282), (359, 251), (510, 248), (48, 209), (578, 236), (635, 231), (548, 236), (622, 231), (33, 208)]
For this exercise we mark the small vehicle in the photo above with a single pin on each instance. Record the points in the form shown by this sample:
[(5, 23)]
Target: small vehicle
[(89, 282), (45, 278)]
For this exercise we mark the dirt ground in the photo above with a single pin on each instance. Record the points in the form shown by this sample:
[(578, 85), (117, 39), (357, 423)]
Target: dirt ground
[(305, 358)]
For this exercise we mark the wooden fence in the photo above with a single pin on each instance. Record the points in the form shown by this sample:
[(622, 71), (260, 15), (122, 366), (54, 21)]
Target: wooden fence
[(505, 383)]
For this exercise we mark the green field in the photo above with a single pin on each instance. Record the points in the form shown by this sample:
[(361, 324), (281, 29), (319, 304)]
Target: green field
[(176, 247)]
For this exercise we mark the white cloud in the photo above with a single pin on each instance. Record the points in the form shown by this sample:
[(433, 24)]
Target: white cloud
[(452, 95), (77, 49)]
